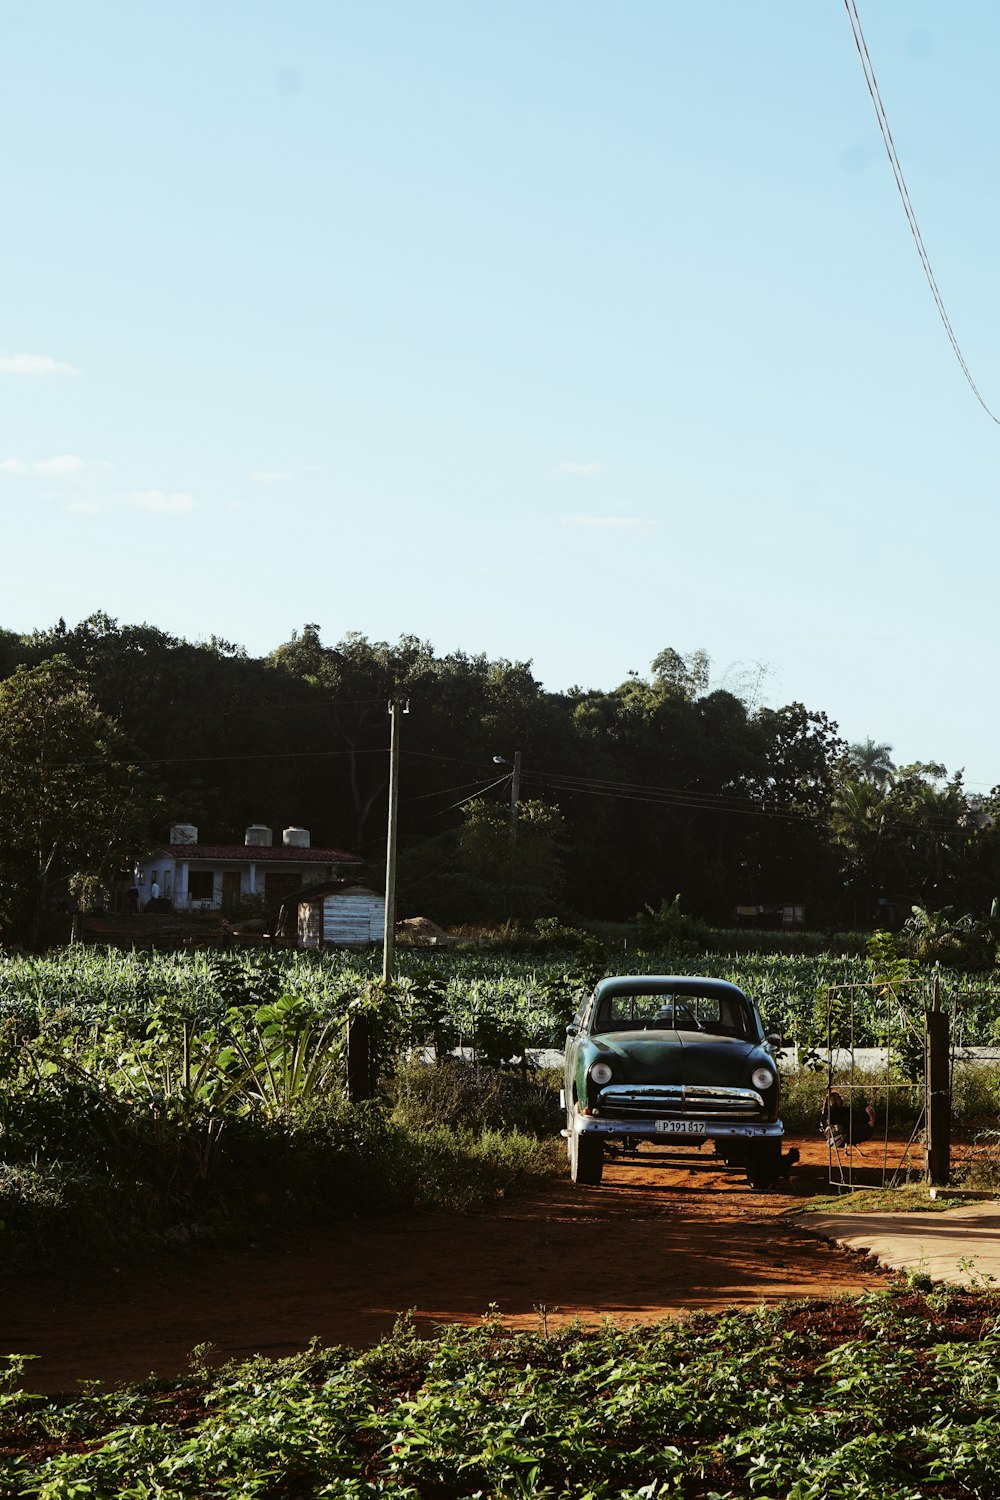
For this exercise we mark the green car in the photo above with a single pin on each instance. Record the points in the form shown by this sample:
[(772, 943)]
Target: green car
[(660, 1060)]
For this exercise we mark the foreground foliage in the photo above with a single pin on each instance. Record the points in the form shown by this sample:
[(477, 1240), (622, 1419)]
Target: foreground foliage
[(890, 1397), (155, 1102)]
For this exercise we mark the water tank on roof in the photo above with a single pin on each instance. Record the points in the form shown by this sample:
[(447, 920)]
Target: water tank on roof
[(296, 838), (258, 834), (183, 833)]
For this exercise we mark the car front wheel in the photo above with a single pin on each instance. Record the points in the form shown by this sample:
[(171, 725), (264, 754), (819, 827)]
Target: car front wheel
[(764, 1165), (586, 1159)]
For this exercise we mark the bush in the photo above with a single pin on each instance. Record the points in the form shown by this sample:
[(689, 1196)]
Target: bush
[(341, 1160), (975, 1097), (672, 928), (460, 1096)]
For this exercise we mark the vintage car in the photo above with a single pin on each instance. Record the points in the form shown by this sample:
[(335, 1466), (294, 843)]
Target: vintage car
[(668, 1061)]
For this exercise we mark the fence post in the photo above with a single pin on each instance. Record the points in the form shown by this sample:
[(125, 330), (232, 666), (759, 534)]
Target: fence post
[(359, 1060), (938, 1093)]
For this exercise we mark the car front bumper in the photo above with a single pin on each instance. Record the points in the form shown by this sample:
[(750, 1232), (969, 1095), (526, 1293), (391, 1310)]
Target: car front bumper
[(676, 1131)]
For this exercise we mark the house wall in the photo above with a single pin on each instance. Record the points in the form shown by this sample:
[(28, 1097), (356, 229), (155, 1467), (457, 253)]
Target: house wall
[(255, 877)]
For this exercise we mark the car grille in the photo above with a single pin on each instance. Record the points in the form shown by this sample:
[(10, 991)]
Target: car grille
[(641, 1101)]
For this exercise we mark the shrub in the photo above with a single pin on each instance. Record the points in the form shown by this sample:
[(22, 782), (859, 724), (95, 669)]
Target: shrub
[(672, 928), (459, 1096), (975, 1097)]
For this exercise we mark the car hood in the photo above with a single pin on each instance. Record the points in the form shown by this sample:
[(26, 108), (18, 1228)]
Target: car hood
[(680, 1057)]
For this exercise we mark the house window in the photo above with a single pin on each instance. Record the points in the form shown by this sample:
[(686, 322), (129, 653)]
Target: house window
[(201, 885)]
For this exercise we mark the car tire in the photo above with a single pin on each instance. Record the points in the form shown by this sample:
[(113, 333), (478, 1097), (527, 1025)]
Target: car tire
[(764, 1166), (586, 1159)]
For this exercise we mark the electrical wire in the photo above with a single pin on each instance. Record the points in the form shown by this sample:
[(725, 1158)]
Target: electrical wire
[(480, 792), (447, 790), (739, 801), (897, 171), (679, 799)]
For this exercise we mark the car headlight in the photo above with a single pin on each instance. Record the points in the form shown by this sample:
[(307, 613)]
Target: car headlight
[(762, 1078), (601, 1073)]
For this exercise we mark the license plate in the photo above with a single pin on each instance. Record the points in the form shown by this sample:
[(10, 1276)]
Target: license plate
[(681, 1127)]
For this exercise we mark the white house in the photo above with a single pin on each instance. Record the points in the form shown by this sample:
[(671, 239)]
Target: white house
[(216, 877)]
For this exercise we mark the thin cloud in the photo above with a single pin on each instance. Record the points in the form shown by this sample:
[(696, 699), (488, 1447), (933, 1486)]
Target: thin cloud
[(87, 507), (579, 471), (270, 476), (33, 364), (162, 500), (609, 523), (67, 464), (63, 466), (58, 468)]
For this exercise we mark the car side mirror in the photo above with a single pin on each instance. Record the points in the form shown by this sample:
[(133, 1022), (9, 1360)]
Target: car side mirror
[(572, 1029), (774, 1040)]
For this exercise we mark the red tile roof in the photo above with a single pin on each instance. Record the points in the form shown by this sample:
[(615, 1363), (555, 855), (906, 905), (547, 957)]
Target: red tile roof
[(290, 854)]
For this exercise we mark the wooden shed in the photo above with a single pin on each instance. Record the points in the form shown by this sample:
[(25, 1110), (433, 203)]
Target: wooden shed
[(348, 916)]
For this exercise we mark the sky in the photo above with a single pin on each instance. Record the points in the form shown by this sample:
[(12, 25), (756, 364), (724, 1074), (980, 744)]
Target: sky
[(562, 331)]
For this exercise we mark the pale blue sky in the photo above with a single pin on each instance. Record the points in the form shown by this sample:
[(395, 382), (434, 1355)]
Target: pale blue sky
[(553, 330)]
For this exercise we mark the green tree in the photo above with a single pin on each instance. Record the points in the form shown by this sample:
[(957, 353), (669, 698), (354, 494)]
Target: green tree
[(907, 837), (529, 864), (73, 802), (871, 761)]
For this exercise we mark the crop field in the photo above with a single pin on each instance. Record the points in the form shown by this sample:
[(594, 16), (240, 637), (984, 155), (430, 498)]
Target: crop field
[(499, 1002), (892, 1396)]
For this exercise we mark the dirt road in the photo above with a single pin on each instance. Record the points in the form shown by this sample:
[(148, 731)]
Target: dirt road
[(647, 1244)]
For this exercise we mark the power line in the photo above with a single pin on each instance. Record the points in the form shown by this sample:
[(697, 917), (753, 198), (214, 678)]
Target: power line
[(897, 171), (480, 791)]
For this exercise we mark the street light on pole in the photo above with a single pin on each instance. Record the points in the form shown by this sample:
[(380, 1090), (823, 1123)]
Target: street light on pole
[(515, 788)]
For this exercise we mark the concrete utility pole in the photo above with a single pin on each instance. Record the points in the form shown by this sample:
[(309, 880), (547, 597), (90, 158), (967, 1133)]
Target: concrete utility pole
[(938, 1064), (389, 939), (515, 792)]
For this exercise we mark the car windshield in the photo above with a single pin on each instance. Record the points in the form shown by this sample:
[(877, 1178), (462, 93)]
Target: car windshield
[(719, 1015)]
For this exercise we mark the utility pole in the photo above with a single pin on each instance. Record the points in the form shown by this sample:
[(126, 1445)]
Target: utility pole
[(515, 792), (938, 1065), (389, 939), (360, 1079)]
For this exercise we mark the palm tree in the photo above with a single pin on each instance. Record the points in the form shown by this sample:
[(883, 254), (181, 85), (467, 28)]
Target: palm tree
[(860, 824), (871, 762)]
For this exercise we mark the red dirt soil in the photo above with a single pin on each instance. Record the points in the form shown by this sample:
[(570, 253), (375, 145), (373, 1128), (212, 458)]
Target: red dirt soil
[(647, 1244)]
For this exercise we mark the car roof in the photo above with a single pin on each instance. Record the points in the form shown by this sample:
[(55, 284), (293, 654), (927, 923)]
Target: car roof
[(667, 984)]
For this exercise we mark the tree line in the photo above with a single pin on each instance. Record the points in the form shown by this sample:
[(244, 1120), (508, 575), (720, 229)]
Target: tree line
[(663, 785)]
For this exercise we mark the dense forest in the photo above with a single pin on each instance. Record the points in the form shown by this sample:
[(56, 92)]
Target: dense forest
[(660, 787)]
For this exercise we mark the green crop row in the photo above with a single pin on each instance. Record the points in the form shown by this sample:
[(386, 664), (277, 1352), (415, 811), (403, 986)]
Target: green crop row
[(892, 1397), (487, 1001)]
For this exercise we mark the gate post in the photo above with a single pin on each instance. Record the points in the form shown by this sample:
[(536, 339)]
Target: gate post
[(936, 1038), (359, 1059)]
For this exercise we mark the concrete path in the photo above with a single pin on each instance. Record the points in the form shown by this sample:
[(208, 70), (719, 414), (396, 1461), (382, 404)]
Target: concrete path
[(961, 1245)]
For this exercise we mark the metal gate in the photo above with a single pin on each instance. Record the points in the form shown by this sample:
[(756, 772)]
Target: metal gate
[(885, 1107)]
